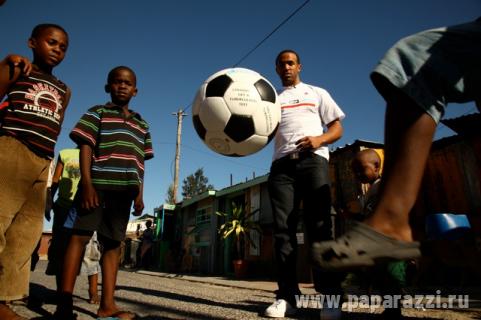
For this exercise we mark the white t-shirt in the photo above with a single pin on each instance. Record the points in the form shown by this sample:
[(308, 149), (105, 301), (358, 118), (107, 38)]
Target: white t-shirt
[(305, 111)]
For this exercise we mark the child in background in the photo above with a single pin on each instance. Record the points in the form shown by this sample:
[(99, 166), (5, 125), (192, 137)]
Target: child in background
[(66, 176), (64, 182), (391, 278)]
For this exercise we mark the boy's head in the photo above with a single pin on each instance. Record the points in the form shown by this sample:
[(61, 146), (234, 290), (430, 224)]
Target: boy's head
[(121, 84), (367, 166), (148, 224), (49, 43)]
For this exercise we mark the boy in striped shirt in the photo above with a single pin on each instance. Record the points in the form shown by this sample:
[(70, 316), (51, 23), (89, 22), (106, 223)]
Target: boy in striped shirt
[(114, 143)]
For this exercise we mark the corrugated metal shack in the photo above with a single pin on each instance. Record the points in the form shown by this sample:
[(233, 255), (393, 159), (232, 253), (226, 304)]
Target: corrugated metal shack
[(452, 180), (451, 184)]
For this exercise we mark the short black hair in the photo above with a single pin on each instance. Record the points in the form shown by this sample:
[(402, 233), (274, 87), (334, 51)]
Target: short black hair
[(37, 31), (116, 69), (288, 51)]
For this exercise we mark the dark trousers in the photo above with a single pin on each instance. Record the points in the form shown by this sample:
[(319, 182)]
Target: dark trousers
[(290, 181)]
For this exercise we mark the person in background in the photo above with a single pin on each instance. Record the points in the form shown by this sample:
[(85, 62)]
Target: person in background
[(65, 182), (391, 277), (146, 245)]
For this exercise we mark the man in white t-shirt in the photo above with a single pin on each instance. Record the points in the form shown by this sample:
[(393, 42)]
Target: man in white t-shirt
[(311, 120)]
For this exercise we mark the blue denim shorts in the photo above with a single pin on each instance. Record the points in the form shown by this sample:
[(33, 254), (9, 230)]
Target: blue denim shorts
[(434, 67)]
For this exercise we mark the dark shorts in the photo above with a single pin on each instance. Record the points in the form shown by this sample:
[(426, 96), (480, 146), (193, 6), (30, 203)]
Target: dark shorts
[(110, 219)]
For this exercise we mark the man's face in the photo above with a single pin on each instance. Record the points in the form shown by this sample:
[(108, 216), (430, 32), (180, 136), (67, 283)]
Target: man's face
[(288, 69), (49, 46)]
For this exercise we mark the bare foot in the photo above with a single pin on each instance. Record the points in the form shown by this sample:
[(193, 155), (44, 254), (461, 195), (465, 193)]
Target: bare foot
[(94, 298), (121, 314), (8, 314)]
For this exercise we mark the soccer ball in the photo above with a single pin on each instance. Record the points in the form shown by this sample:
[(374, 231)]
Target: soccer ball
[(236, 112)]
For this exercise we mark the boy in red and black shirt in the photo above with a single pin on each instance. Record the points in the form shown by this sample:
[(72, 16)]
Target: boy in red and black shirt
[(114, 143), (30, 123)]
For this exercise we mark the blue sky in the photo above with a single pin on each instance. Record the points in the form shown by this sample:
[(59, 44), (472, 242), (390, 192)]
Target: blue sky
[(173, 46)]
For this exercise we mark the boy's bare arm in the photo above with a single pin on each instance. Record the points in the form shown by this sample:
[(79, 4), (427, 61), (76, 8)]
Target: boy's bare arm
[(68, 94), (90, 198), (54, 187), (139, 201), (56, 176), (10, 69)]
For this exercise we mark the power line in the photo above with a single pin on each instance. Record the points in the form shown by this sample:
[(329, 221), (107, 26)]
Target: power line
[(265, 38), (272, 32), (227, 159)]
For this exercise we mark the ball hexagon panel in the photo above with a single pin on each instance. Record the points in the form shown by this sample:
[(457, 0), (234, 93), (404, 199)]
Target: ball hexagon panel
[(214, 113), (251, 145), (242, 98), (217, 141), (266, 118)]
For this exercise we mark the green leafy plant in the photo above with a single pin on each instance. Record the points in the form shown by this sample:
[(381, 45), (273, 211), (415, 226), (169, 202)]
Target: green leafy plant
[(238, 224)]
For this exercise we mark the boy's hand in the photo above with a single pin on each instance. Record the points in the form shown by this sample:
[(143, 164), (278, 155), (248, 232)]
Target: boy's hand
[(23, 63), (90, 199), (138, 206)]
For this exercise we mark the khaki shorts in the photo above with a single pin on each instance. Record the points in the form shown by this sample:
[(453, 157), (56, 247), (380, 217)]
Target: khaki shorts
[(23, 188)]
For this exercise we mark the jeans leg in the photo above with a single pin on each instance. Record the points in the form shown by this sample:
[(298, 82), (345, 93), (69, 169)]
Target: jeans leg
[(314, 177), (283, 202)]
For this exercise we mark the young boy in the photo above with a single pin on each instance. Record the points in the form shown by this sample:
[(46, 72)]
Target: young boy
[(31, 120), (366, 166), (390, 278), (114, 143), (65, 180)]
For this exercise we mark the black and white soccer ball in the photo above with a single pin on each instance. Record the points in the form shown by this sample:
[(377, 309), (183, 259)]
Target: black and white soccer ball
[(236, 112)]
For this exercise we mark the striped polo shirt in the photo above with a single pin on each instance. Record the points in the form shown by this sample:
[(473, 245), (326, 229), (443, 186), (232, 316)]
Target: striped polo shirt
[(121, 144), (34, 112)]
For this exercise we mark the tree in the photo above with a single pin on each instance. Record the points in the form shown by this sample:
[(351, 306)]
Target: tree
[(170, 197), (195, 184)]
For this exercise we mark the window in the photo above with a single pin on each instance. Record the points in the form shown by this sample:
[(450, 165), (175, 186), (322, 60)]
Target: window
[(202, 215)]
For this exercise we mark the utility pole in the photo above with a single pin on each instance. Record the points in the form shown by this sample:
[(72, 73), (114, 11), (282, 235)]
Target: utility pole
[(180, 115)]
